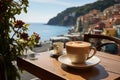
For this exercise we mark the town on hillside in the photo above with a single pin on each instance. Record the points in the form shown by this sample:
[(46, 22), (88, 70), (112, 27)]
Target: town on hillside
[(97, 22)]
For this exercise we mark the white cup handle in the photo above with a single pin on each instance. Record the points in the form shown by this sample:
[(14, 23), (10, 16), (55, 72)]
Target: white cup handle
[(94, 49)]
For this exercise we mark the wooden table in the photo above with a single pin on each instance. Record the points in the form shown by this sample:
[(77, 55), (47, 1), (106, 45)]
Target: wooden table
[(48, 68)]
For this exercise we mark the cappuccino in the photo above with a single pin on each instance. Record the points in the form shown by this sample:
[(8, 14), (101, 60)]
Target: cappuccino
[(58, 47), (78, 51), (78, 44)]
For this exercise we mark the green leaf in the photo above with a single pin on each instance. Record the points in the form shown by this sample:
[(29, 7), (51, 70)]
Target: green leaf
[(25, 9)]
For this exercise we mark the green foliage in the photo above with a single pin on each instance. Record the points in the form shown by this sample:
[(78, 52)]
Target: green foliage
[(82, 10), (13, 34)]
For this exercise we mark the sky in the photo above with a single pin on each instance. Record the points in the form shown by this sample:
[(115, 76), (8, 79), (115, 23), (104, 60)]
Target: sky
[(41, 11)]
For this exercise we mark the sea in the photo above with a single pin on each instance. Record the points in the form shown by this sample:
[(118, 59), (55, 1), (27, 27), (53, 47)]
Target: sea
[(47, 31)]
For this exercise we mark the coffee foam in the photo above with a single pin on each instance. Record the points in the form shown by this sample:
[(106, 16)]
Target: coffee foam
[(78, 44)]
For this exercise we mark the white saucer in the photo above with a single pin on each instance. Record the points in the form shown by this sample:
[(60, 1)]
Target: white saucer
[(54, 54), (89, 63), (33, 56)]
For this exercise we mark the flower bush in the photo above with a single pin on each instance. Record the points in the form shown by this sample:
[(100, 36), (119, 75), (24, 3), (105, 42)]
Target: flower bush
[(14, 36), (21, 37)]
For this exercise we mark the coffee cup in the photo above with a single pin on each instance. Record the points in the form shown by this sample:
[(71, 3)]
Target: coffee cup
[(58, 47), (79, 51)]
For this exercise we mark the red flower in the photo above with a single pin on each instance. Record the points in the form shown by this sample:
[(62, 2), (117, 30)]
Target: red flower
[(37, 36), (24, 36), (19, 24)]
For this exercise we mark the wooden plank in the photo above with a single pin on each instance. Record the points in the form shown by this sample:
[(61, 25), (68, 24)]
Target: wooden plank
[(39, 72), (48, 68), (108, 56)]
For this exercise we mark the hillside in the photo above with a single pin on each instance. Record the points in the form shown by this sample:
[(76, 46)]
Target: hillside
[(68, 17)]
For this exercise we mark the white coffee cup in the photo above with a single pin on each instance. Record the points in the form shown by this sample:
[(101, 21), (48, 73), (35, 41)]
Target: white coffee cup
[(58, 47), (79, 51)]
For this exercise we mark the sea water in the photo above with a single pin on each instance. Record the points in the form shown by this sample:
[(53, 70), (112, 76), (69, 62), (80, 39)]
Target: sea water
[(47, 31)]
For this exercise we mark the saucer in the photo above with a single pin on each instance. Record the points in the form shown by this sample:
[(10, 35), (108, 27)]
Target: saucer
[(89, 63), (33, 56), (54, 54)]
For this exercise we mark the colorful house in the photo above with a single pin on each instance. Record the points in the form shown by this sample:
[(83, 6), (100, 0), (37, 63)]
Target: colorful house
[(110, 32)]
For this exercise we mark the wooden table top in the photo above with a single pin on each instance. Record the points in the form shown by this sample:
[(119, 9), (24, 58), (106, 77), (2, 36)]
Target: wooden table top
[(49, 68)]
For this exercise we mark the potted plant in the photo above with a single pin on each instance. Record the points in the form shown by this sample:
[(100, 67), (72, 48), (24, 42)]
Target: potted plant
[(14, 36)]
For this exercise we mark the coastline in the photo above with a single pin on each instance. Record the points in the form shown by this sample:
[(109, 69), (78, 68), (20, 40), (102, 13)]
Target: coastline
[(47, 31)]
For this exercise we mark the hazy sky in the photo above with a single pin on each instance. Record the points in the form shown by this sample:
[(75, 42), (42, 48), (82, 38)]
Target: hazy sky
[(42, 10)]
